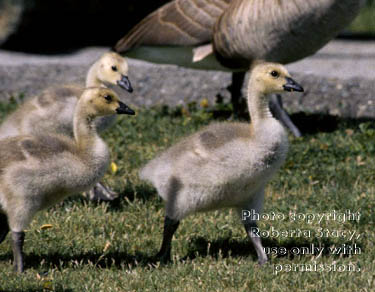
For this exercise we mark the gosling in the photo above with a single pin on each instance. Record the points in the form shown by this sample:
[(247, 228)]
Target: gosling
[(225, 164), (38, 171), (52, 111)]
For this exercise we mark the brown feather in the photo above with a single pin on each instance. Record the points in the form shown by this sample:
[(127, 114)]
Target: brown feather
[(243, 31), (181, 22)]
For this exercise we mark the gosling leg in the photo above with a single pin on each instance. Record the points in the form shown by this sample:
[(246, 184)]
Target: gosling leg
[(17, 246), (251, 228), (276, 107), (170, 227), (4, 227), (236, 92), (100, 193)]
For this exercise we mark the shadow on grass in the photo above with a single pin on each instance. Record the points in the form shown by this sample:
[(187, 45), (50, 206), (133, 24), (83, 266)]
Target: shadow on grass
[(318, 123), (130, 193), (141, 192), (55, 289), (199, 247), (103, 261), (315, 123), (227, 247), (308, 123)]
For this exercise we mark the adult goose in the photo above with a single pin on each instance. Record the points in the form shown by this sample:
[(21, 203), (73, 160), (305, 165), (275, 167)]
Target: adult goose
[(232, 34)]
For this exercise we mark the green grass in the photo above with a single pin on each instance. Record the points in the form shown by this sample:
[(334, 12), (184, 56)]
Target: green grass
[(109, 246), (365, 21)]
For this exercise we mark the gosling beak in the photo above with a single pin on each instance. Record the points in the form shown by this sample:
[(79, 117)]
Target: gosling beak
[(125, 83), (291, 85), (124, 109)]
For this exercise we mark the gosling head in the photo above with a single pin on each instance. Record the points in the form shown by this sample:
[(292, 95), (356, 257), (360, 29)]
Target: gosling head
[(273, 78), (100, 101), (113, 69)]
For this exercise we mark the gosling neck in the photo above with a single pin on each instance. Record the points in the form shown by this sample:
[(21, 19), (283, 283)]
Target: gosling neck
[(92, 79), (257, 102), (84, 128)]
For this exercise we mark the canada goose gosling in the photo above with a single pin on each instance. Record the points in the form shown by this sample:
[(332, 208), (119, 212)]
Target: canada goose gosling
[(52, 110), (38, 171), (225, 164), (111, 68)]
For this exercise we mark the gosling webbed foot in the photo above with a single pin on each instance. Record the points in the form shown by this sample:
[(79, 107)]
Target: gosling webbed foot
[(100, 193), (262, 262), (164, 257), (17, 246)]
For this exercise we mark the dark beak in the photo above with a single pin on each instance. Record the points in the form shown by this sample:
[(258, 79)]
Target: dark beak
[(291, 85), (125, 83), (124, 109)]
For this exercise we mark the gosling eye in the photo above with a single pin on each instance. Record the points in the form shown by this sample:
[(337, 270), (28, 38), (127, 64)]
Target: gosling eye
[(114, 68), (108, 98), (275, 74)]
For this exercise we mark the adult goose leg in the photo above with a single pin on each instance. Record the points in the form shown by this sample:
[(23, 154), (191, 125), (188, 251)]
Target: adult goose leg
[(276, 107), (236, 92)]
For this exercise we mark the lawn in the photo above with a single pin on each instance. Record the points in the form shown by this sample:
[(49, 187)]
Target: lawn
[(108, 246)]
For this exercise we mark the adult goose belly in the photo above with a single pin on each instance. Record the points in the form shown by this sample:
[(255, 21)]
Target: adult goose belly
[(279, 31)]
